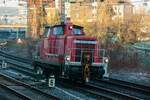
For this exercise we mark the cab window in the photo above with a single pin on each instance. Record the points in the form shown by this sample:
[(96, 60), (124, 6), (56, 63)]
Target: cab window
[(77, 31), (46, 32), (58, 30)]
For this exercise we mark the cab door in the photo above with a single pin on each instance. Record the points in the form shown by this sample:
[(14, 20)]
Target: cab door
[(57, 41), (45, 43), (52, 43)]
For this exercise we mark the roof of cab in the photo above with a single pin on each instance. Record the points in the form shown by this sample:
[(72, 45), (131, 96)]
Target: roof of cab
[(65, 24), (48, 26)]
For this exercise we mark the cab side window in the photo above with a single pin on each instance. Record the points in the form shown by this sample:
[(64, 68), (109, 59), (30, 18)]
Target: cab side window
[(46, 32), (58, 30), (77, 31)]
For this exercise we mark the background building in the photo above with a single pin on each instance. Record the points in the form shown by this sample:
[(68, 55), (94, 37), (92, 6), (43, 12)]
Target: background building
[(123, 11), (13, 19), (13, 12)]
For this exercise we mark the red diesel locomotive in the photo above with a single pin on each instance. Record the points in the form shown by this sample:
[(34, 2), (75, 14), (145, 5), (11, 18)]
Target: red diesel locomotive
[(66, 52)]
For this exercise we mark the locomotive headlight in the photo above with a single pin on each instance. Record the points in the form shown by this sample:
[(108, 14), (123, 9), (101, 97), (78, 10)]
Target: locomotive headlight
[(71, 27), (106, 60), (68, 58)]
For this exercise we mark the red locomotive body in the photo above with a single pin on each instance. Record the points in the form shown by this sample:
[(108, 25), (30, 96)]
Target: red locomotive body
[(66, 51)]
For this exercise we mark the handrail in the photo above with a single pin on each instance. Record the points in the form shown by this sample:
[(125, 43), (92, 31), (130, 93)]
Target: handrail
[(142, 48), (84, 50)]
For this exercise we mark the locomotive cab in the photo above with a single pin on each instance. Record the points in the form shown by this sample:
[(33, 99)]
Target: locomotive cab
[(66, 51)]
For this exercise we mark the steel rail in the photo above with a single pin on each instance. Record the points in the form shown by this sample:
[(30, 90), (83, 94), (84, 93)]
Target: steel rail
[(17, 63), (29, 72), (143, 88), (110, 93), (13, 91), (21, 68), (98, 92), (129, 89), (78, 86), (31, 88), (24, 60), (126, 84)]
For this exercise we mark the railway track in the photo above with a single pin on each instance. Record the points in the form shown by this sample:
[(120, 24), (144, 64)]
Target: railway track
[(123, 87), (108, 93), (107, 88), (4, 54), (77, 86), (22, 89), (96, 91), (21, 67), (145, 89), (14, 93), (20, 64)]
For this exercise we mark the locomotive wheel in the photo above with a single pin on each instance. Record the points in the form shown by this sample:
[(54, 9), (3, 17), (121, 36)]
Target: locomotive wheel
[(39, 70)]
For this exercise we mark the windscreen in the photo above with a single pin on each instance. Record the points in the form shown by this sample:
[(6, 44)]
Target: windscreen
[(77, 30), (58, 30)]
